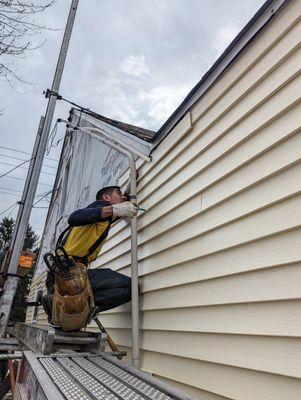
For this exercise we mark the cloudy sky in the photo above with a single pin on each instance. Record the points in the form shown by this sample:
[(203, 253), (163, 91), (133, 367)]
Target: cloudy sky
[(132, 60)]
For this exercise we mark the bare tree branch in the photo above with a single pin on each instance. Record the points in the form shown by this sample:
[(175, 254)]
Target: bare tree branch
[(17, 29)]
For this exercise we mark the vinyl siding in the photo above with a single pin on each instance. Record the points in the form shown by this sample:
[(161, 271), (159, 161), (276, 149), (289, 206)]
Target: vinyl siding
[(219, 247), (41, 316)]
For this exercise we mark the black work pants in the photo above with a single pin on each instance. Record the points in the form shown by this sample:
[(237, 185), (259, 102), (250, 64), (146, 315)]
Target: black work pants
[(110, 288)]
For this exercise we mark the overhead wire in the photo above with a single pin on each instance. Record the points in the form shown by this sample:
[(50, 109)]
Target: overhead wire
[(12, 210), (17, 166), (24, 152), (22, 179), (46, 203), (13, 190), (13, 165), (8, 208), (20, 192), (45, 195), (22, 159), (42, 195), (6, 174), (51, 138), (10, 194), (81, 108), (51, 143)]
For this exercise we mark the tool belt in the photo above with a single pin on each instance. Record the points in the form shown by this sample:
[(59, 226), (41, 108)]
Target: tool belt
[(73, 299), (73, 303)]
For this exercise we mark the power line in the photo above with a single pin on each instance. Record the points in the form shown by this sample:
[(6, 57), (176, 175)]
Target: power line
[(16, 195), (13, 190), (13, 165), (46, 194), (20, 192), (11, 194), (22, 159), (12, 210), (42, 194), (24, 152), (8, 208), (51, 139), (17, 203), (17, 166), (22, 179)]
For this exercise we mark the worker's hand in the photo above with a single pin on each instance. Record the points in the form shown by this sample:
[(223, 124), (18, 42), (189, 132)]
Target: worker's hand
[(126, 209)]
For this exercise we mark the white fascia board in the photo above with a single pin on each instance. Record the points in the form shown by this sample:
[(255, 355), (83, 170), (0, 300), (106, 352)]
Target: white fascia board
[(116, 133)]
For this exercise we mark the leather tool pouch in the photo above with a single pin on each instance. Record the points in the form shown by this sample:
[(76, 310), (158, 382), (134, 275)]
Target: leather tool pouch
[(73, 299)]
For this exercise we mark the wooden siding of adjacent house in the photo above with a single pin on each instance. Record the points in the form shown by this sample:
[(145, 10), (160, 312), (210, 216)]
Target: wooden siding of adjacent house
[(219, 247)]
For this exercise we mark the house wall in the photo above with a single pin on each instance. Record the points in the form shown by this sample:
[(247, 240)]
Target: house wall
[(219, 247)]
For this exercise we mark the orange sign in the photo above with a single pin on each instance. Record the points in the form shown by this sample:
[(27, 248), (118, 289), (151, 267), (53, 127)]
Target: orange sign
[(25, 261)]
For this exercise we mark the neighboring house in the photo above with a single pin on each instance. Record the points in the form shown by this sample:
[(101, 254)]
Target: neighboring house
[(219, 247)]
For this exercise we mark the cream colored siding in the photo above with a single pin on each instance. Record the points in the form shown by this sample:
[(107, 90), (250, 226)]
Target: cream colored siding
[(192, 391), (219, 247), (41, 316)]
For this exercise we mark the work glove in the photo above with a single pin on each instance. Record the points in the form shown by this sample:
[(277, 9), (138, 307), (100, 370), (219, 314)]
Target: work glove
[(126, 209)]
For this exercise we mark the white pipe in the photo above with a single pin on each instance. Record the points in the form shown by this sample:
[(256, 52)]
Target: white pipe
[(115, 141), (134, 240)]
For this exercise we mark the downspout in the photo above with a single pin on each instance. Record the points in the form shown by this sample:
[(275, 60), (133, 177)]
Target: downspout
[(134, 238)]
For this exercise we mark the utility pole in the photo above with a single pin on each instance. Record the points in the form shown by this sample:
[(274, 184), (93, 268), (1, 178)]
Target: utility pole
[(30, 187)]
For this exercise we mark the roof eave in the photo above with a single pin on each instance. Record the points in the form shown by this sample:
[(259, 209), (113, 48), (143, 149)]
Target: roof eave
[(128, 139)]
